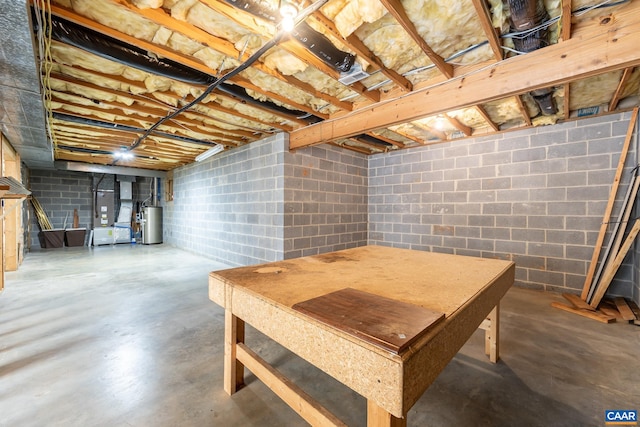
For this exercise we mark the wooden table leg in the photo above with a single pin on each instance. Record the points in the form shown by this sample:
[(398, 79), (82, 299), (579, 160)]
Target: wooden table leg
[(233, 370), (492, 335), (378, 417)]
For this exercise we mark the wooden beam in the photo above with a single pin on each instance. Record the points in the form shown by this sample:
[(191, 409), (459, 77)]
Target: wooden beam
[(609, 208), (523, 110), (396, 9), (486, 117), (456, 124), (613, 104), (492, 35), (596, 48), (567, 101), (565, 22)]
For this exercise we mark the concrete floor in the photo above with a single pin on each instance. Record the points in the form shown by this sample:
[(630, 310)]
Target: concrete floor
[(126, 336)]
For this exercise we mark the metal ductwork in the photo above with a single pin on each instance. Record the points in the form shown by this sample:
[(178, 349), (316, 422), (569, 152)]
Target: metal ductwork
[(526, 17), (315, 42)]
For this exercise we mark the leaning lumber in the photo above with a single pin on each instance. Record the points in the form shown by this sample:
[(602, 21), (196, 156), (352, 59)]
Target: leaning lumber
[(586, 288), (578, 302), (603, 285)]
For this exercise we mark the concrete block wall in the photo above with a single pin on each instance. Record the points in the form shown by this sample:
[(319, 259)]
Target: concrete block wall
[(325, 200), (59, 193), (230, 206), (536, 197)]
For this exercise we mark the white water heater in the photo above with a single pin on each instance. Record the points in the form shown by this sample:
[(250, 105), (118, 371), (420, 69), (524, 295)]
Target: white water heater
[(151, 225)]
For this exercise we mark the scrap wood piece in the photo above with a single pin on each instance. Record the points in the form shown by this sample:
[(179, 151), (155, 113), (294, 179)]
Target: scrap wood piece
[(634, 307), (609, 310), (607, 215), (595, 315), (384, 322), (624, 309), (636, 310), (603, 285), (578, 302)]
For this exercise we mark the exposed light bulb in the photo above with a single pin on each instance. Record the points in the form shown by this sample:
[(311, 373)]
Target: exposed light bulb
[(288, 13), (123, 154), (439, 123)]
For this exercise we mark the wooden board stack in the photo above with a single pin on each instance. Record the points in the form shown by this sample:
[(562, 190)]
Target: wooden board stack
[(590, 303)]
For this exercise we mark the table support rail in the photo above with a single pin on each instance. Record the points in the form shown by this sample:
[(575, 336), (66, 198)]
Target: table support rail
[(306, 406)]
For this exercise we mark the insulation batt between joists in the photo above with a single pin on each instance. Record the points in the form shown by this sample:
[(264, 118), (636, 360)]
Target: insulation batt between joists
[(367, 18)]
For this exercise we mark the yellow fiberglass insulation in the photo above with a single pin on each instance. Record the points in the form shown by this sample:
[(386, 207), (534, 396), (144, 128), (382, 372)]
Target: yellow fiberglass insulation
[(147, 4), (324, 83), (281, 88), (351, 14), (215, 60), (503, 110), (214, 23), (633, 84), (248, 110), (283, 61), (388, 40), (447, 26), (117, 17), (469, 117), (228, 118), (594, 90), (71, 56), (386, 133)]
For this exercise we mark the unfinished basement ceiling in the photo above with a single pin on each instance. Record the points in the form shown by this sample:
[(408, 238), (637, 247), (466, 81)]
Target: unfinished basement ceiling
[(167, 80)]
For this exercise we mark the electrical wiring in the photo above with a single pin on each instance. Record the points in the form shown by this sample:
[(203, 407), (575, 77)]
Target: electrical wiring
[(43, 18), (253, 58)]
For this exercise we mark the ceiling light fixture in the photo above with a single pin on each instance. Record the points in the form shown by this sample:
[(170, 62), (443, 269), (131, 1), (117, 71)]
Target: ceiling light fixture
[(210, 152), (440, 123), (123, 154), (288, 13)]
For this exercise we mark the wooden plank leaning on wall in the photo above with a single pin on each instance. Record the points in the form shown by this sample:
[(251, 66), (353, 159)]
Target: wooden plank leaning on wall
[(11, 227)]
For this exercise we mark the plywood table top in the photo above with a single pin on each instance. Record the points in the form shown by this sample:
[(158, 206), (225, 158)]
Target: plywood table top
[(464, 289), (439, 282)]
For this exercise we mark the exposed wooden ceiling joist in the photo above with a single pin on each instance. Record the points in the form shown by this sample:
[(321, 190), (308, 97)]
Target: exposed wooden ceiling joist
[(492, 35), (573, 59), (397, 10)]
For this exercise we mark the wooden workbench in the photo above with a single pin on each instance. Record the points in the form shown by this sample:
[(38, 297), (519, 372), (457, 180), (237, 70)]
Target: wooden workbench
[(466, 290)]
